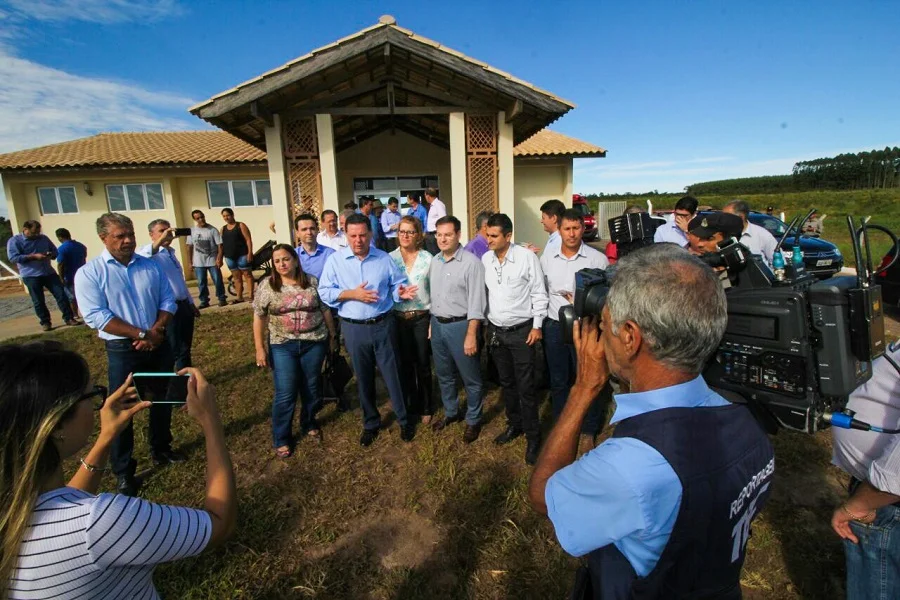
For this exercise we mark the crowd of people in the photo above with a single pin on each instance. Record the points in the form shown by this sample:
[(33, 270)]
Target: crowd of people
[(660, 509)]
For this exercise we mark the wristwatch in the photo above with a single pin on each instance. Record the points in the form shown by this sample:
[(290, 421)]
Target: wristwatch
[(142, 335)]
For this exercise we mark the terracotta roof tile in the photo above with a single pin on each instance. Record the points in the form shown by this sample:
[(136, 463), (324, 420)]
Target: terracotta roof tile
[(157, 148), (552, 143), (212, 147)]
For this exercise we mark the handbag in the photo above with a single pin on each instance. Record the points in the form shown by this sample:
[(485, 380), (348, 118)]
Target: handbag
[(336, 374)]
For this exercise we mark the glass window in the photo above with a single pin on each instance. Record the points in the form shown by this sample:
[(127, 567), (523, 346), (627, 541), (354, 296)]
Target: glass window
[(57, 200), (219, 195), (243, 193), (263, 193), (135, 195), (154, 197), (115, 194)]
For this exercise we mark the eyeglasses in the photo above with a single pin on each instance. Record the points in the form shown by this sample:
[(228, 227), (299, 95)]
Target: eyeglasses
[(98, 393), (683, 214), (406, 232), (499, 271)]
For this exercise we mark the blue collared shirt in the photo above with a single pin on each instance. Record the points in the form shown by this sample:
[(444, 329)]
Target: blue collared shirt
[(107, 289), (171, 268), (19, 247), (389, 218), (312, 264), (623, 492), (375, 225), (346, 272), (71, 255), (420, 213), (670, 232)]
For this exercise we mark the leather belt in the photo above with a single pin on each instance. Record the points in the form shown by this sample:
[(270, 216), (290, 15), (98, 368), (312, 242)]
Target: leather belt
[(521, 325), (371, 321), (411, 315), (445, 320)]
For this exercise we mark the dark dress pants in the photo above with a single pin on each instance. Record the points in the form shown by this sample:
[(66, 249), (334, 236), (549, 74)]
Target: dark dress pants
[(370, 345), (124, 359), (561, 371), (515, 370), (55, 286), (180, 335), (415, 364), (431, 243)]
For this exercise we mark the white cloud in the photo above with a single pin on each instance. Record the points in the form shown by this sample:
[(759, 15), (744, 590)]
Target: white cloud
[(95, 11)]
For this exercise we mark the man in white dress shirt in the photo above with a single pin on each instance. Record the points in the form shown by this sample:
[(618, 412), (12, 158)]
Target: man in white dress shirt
[(551, 216), (517, 306), (560, 263), (436, 210), (331, 235), (675, 231), (757, 239)]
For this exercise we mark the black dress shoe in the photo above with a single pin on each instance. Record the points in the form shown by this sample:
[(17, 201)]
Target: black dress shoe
[(368, 436), (532, 450), (507, 436), (472, 433), (445, 421), (167, 457), (407, 432), (129, 485)]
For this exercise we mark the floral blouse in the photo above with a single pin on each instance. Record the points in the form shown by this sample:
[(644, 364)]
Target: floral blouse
[(418, 276), (294, 313)]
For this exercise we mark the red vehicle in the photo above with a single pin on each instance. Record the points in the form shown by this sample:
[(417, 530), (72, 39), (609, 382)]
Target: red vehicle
[(590, 222)]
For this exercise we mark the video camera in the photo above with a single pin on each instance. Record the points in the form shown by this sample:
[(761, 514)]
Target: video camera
[(632, 231), (794, 349)]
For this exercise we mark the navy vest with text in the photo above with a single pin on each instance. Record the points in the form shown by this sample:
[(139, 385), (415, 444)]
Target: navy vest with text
[(725, 464)]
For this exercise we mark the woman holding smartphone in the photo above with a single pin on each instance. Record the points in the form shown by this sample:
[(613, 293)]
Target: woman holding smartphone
[(298, 328), (62, 540)]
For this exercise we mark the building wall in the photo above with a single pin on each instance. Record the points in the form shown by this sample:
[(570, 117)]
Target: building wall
[(537, 181), (183, 190), (393, 155)]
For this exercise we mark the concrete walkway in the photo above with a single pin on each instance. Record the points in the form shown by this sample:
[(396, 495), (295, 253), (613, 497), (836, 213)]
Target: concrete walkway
[(17, 315)]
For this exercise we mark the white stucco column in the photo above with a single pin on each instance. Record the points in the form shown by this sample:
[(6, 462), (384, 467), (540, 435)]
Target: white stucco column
[(506, 174), (327, 163), (458, 179), (281, 210), (570, 179)]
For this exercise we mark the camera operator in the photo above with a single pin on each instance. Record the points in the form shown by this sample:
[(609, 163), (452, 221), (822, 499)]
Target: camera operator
[(706, 231), (623, 504), (868, 518)]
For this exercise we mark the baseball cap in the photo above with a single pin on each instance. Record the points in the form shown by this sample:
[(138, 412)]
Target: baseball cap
[(707, 225)]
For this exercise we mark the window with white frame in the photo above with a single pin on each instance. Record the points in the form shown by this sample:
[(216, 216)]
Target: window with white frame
[(224, 194), (57, 200), (135, 196)]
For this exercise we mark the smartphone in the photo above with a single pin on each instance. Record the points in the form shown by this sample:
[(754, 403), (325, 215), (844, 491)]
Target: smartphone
[(182, 231), (161, 388)]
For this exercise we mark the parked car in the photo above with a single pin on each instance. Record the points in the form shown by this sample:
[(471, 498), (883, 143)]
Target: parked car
[(820, 257), (890, 280), (590, 222)]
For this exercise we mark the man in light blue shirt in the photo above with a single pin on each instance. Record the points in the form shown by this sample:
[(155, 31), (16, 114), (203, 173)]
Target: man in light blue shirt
[(390, 224), (127, 298), (363, 283), (621, 503), (675, 231), (416, 209), (311, 253), (31, 252)]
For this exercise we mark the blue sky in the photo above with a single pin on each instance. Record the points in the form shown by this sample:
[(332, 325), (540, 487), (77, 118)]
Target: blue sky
[(677, 92)]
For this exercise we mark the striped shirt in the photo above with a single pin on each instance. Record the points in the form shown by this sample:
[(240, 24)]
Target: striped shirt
[(78, 545)]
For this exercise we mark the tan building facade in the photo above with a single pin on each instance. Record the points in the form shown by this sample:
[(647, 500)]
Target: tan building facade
[(383, 112)]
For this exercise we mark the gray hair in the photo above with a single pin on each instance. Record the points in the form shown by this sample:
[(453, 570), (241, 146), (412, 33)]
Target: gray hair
[(112, 218), (347, 212), (482, 218), (675, 299), (739, 207), (156, 222)]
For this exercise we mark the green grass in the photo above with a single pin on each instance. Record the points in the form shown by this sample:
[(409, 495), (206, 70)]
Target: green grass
[(430, 519), (882, 205)]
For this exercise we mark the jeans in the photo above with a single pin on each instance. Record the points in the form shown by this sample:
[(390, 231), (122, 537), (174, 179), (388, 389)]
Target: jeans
[(296, 367), (54, 284), (515, 369), (238, 264), (124, 359), (561, 371), (216, 274), (873, 565), (447, 340), (415, 365), (369, 345), (180, 335)]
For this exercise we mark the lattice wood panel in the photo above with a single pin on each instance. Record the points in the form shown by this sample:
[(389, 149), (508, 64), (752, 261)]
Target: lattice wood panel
[(305, 183), (482, 179), (481, 133), (300, 138)]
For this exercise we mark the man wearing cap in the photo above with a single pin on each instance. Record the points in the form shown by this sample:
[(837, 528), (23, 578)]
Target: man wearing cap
[(706, 231), (757, 239)]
